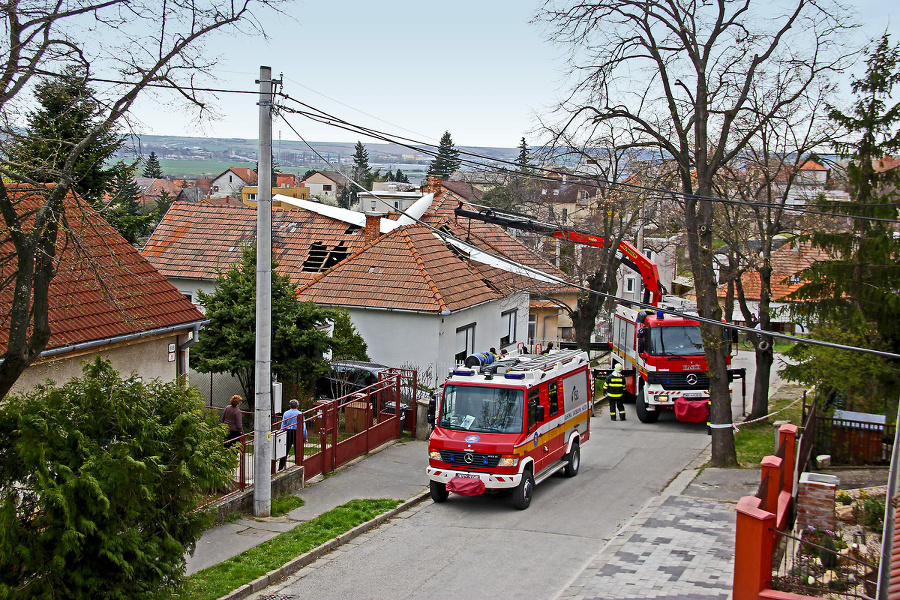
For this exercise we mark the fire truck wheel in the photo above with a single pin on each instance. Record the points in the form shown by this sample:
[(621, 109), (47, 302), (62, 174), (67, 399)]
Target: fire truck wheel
[(574, 461), (522, 493), (640, 404), (439, 491)]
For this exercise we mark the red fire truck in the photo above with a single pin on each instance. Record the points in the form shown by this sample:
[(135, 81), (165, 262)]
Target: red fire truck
[(662, 355), (509, 423)]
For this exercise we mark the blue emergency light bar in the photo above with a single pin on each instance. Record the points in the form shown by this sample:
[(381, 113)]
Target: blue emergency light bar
[(464, 372), (514, 375)]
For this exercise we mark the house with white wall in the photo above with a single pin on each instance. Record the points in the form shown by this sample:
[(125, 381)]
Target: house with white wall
[(416, 299), (232, 181), (324, 186)]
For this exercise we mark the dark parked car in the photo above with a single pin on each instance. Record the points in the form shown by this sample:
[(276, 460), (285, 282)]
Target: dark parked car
[(346, 377)]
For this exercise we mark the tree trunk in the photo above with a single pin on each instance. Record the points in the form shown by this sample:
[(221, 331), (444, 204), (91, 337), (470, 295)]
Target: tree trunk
[(764, 360), (698, 222)]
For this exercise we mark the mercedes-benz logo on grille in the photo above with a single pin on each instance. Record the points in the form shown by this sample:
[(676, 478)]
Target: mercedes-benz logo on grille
[(692, 379), (469, 458)]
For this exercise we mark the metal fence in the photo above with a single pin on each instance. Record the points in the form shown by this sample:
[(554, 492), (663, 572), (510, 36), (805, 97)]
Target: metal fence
[(814, 565), (333, 432)]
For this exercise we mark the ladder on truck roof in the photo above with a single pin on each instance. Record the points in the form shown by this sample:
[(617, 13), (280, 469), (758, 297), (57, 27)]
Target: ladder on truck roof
[(546, 362)]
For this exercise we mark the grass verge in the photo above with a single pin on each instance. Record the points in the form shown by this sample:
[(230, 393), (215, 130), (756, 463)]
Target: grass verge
[(285, 503), (227, 576), (757, 440)]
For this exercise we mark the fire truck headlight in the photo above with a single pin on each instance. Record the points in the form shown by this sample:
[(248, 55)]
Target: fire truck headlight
[(662, 398), (434, 455), (508, 461)]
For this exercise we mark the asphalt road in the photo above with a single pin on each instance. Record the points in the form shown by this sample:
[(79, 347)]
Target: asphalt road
[(483, 548)]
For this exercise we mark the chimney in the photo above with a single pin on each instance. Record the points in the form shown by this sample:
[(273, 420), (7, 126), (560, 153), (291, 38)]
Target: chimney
[(373, 226), (433, 184)]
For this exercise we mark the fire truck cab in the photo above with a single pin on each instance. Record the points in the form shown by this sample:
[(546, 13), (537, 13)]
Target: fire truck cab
[(664, 363), (509, 424)]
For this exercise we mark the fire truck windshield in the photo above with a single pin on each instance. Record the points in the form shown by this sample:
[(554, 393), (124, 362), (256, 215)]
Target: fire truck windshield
[(485, 409), (675, 341)]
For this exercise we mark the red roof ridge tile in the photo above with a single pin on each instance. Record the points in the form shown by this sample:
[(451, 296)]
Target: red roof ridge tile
[(420, 263)]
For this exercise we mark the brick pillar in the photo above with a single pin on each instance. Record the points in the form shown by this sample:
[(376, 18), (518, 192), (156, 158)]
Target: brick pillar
[(815, 501), (432, 184), (771, 467), (753, 545), (788, 434)]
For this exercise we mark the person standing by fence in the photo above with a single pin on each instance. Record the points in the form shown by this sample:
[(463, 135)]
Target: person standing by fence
[(615, 391), (289, 422), (232, 417)]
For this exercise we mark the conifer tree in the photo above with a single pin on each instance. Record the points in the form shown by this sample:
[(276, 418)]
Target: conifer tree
[(152, 168), (101, 480), (66, 113), (361, 174), (123, 208), (524, 159), (856, 290), (400, 177), (447, 160)]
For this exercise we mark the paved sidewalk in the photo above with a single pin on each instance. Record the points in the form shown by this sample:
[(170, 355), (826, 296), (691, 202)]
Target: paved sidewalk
[(382, 474), (676, 547)]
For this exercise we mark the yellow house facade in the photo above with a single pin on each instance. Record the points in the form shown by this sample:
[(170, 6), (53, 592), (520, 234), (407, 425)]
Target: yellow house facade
[(248, 195)]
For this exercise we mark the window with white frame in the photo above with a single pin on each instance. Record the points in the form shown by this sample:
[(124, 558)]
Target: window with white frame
[(465, 342), (508, 323), (630, 284), (251, 197)]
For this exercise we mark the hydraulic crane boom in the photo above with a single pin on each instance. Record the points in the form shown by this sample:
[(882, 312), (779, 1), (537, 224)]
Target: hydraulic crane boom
[(630, 256)]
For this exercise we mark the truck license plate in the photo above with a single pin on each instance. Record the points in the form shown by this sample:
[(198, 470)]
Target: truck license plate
[(469, 475)]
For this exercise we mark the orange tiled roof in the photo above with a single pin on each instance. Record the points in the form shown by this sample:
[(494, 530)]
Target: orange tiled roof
[(887, 163), (194, 240), (786, 261), (812, 165), (103, 288), (248, 175), (492, 238), (407, 269)]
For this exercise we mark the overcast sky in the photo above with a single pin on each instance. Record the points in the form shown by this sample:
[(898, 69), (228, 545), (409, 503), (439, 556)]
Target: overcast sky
[(475, 68)]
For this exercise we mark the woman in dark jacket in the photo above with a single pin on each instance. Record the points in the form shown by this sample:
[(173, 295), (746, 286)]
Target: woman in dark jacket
[(231, 416)]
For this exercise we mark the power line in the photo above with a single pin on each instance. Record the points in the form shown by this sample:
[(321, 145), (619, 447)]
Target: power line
[(446, 237), (331, 120)]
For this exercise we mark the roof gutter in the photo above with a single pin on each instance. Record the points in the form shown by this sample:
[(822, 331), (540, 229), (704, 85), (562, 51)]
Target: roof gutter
[(194, 325)]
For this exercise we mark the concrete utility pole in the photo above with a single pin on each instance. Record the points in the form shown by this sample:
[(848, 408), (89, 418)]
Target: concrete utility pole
[(262, 425)]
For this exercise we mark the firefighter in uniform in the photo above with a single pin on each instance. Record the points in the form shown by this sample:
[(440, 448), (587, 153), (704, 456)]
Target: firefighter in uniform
[(615, 390)]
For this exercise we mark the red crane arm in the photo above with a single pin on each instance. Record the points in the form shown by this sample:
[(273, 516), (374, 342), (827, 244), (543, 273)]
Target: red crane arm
[(631, 256)]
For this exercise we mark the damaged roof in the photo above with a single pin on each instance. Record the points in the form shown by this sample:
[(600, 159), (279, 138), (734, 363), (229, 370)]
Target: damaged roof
[(334, 262)]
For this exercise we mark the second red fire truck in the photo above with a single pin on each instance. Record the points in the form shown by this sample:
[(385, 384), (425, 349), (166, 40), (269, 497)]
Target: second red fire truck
[(662, 354)]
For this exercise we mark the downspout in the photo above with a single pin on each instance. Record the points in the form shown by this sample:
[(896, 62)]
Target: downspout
[(193, 338), (545, 323)]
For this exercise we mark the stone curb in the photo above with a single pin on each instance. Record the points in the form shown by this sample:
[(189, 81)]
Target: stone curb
[(301, 561)]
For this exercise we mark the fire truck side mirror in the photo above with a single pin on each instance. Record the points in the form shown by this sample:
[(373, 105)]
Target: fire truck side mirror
[(642, 340), (432, 408), (539, 413)]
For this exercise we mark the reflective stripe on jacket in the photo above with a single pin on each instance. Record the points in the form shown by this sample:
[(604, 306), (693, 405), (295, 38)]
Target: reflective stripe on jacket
[(615, 386)]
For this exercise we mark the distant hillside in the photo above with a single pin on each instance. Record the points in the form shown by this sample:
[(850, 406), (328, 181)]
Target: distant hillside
[(185, 156)]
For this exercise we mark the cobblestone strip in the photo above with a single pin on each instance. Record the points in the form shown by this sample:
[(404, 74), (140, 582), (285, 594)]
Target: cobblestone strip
[(676, 547)]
